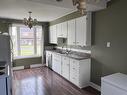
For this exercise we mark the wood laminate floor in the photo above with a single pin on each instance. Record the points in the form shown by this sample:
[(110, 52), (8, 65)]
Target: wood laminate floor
[(43, 81)]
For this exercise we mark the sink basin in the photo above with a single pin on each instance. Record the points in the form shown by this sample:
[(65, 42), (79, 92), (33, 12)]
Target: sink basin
[(61, 52)]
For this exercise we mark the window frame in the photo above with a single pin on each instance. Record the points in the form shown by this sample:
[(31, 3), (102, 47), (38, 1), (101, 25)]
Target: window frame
[(18, 44)]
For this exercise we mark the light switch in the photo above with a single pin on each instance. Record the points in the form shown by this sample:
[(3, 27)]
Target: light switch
[(108, 44)]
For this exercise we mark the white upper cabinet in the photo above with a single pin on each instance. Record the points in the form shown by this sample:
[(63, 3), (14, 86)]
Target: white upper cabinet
[(71, 32), (87, 41), (53, 34), (59, 32), (77, 31), (64, 29), (81, 30)]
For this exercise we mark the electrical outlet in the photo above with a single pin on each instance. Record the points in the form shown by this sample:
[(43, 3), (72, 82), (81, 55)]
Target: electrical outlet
[(108, 44)]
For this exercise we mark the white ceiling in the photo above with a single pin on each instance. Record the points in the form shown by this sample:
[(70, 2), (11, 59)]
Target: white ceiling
[(43, 10)]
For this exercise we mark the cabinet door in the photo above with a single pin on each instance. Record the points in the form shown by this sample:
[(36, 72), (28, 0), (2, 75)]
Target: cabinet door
[(65, 68), (64, 29), (81, 31), (54, 67), (56, 63), (59, 33), (50, 34), (71, 32), (53, 34)]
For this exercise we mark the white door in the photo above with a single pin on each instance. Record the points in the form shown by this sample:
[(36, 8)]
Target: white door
[(50, 34), (53, 35), (64, 29), (59, 33), (56, 63), (74, 72), (81, 31), (59, 67), (71, 32), (65, 68)]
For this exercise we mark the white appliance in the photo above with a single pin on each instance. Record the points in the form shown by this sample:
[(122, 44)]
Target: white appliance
[(49, 59), (5, 65), (115, 84)]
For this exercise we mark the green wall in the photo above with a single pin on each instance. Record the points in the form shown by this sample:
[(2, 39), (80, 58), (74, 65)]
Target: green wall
[(109, 25), (27, 61)]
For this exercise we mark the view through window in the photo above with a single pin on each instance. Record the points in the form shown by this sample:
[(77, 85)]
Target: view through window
[(26, 42)]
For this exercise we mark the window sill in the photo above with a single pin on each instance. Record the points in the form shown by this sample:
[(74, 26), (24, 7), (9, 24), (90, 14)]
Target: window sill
[(23, 57)]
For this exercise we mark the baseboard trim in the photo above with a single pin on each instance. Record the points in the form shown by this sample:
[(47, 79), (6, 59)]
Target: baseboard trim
[(18, 68), (95, 86), (36, 65)]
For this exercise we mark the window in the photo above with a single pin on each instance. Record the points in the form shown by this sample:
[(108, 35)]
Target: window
[(26, 42)]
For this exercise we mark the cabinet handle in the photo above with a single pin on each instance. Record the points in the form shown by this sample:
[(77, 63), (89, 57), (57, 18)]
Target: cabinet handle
[(74, 42), (73, 68), (77, 42)]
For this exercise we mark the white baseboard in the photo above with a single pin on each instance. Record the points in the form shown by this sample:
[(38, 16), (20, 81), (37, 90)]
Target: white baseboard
[(36, 65), (95, 86), (18, 68)]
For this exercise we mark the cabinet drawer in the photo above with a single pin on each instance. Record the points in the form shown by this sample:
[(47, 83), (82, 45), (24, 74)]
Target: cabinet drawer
[(74, 65), (74, 79)]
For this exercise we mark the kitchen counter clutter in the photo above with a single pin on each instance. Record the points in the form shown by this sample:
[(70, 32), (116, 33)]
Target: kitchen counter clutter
[(75, 67)]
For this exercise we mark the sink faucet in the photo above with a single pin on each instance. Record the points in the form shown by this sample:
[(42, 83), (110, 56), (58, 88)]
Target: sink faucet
[(68, 51)]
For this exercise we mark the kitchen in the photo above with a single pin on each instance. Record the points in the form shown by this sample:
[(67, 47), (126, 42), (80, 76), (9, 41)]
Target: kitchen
[(85, 55)]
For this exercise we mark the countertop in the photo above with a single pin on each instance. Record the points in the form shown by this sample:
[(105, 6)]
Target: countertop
[(74, 55)]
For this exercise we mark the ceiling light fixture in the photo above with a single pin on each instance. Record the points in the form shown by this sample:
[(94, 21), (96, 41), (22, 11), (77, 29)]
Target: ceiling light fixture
[(30, 22), (81, 5)]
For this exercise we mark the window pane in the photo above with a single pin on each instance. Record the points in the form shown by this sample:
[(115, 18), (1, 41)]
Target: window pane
[(26, 41), (38, 36)]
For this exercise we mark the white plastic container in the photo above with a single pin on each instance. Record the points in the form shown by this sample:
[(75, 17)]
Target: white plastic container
[(115, 84)]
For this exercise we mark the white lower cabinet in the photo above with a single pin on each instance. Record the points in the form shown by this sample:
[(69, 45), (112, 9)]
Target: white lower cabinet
[(65, 68), (56, 63), (76, 71), (80, 72)]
